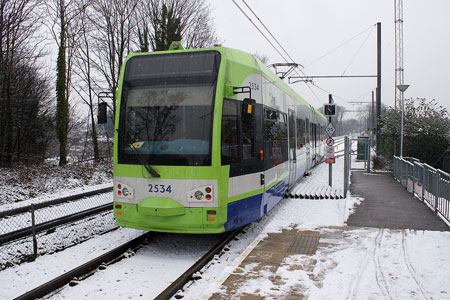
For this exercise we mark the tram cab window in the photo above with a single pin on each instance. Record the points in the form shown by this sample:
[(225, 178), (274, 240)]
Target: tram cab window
[(230, 136), (238, 133), (248, 138)]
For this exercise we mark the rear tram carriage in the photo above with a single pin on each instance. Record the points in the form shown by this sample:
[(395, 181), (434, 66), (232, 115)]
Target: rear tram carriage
[(207, 140)]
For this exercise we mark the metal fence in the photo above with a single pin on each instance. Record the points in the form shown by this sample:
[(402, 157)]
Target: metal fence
[(31, 230), (430, 185)]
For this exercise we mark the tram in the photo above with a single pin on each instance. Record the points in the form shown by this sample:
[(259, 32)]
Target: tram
[(207, 140)]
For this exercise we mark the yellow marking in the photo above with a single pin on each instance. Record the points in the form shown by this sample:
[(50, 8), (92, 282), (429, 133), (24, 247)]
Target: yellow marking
[(137, 145)]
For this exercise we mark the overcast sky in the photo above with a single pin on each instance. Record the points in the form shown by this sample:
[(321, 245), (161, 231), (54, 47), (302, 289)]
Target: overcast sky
[(308, 29)]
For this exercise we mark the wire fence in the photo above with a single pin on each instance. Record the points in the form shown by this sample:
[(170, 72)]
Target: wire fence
[(48, 227), (428, 184)]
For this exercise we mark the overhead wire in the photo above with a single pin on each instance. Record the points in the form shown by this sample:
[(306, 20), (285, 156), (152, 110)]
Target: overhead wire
[(285, 51), (357, 52), (341, 45), (275, 39), (257, 28), (267, 29)]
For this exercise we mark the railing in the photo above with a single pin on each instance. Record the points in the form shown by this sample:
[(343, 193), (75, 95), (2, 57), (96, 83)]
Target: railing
[(430, 185), (45, 227)]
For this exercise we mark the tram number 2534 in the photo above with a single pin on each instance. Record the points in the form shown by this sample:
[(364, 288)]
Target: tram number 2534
[(159, 188), (254, 86)]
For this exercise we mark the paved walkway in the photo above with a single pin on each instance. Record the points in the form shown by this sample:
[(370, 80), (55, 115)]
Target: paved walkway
[(388, 204)]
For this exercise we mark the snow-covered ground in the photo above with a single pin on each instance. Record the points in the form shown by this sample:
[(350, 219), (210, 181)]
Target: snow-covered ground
[(31, 184), (350, 263)]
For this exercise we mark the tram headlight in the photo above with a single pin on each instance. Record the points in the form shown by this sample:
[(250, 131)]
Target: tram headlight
[(125, 192), (198, 195)]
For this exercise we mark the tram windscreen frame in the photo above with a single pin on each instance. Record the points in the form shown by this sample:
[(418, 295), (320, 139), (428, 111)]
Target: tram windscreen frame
[(167, 108)]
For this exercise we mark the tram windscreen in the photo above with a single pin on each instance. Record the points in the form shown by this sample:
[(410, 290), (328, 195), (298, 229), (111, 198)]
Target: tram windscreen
[(166, 112)]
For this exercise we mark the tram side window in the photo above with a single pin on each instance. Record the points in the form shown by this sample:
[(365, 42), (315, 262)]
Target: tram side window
[(307, 130), (275, 137), (230, 137), (300, 133), (314, 134)]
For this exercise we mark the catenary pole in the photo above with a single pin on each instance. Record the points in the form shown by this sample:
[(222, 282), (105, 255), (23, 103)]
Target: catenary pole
[(378, 84)]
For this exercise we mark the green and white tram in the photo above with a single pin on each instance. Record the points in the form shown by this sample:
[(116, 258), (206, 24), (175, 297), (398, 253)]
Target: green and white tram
[(207, 140)]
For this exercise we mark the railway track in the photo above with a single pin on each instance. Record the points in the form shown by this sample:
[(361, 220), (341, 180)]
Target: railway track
[(48, 226), (26, 231), (78, 274)]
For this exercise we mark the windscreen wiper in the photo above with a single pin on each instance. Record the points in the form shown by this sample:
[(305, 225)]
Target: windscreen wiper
[(141, 158)]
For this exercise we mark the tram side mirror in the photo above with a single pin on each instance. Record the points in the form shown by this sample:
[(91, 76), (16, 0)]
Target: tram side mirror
[(101, 113), (248, 108)]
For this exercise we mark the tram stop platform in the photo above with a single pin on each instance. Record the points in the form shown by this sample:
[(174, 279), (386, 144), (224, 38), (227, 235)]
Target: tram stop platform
[(386, 205)]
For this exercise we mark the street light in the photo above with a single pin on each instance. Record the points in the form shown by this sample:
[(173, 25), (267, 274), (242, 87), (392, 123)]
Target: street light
[(402, 88)]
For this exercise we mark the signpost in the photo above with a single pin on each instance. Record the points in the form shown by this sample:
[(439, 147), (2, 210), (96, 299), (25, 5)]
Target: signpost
[(330, 110)]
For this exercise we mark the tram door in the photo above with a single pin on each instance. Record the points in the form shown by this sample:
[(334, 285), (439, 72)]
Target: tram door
[(292, 148)]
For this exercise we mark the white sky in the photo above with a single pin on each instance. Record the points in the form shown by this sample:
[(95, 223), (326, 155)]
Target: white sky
[(308, 29)]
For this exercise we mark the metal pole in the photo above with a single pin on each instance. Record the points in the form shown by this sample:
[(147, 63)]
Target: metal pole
[(372, 121), (368, 155), (378, 84), (346, 164), (330, 166), (401, 126)]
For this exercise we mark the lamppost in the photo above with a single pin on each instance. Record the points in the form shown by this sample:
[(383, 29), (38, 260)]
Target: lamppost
[(402, 88)]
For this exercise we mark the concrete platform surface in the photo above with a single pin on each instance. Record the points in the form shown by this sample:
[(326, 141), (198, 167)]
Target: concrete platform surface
[(377, 234), (387, 204)]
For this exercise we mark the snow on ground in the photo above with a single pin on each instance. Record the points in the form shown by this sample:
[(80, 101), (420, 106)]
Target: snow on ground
[(20, 279), (24, 185), (351, 263)]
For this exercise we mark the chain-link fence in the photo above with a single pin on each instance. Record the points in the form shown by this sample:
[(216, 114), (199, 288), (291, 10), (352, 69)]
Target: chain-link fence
[(47, 227), (426, 183)]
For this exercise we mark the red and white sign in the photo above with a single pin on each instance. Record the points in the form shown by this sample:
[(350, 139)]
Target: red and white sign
[(330, 160), (329, 151), (330, 141)]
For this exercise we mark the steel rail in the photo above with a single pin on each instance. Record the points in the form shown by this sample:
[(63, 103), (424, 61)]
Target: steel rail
[(113, 255), (24, 209), (25, 232), (187, 276)]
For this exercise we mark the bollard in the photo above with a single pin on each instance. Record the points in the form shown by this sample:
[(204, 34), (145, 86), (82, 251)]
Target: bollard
[(33, 227)]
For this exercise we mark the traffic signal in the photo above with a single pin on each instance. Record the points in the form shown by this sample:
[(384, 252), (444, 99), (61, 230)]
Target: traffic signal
[(329, 110)]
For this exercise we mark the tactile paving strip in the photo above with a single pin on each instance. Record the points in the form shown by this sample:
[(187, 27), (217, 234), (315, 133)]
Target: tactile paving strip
[(304, 244)]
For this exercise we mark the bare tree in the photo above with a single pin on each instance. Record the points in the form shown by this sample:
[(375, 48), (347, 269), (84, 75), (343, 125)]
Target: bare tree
[(62, 15), (18, 26), (114, 22), (84, 87), (194, 21)]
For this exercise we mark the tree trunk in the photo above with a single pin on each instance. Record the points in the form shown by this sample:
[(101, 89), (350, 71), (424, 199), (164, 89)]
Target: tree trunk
[(62, 107)]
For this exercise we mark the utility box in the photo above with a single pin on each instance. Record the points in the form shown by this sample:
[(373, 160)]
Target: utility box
[(363, 143)]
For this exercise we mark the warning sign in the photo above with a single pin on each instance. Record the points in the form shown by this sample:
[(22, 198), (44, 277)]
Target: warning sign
[(329, 151), (330, 160)]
